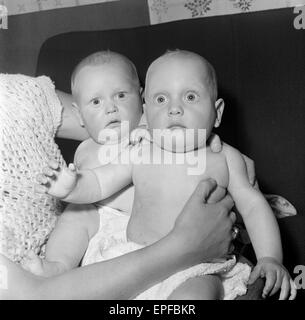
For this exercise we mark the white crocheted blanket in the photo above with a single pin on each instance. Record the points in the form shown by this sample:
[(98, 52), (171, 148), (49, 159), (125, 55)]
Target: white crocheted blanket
[(30, 113)]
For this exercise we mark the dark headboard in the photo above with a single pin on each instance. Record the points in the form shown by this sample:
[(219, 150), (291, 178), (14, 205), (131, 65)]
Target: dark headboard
[(260, 62)]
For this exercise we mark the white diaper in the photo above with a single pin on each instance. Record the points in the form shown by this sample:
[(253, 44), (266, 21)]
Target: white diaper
[(110, 241)]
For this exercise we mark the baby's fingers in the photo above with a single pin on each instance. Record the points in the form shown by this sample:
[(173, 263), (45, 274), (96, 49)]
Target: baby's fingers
[(285, 288), (40, 189), (278, 283), (42, 179), (72, 167), (270, 281), (215, 143), (48, 172), (293, 290), (53, 164)]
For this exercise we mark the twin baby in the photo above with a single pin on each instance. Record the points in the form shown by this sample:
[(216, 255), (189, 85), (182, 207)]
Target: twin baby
[(180, 95)]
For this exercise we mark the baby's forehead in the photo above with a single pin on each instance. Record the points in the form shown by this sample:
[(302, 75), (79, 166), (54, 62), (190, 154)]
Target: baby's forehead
[(91, 72), (179, 62), (185, 63), (106, 66)]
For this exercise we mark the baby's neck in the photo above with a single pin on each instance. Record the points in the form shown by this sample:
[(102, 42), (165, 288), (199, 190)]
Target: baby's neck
[(195, 150), (123, 142)]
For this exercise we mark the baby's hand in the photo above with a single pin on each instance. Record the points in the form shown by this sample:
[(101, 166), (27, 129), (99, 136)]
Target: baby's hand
[(277, 277), (138, 134), (56, 181), (215, 143)]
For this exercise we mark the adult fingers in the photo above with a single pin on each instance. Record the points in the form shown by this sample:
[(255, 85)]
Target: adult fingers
[(204, 189), (228, 203), (285, 289)]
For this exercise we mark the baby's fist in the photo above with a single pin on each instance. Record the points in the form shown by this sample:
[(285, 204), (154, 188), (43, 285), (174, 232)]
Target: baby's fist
[(138, 134)]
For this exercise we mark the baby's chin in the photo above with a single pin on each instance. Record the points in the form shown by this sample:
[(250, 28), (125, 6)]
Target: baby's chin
[(113, 135), (179, 140)]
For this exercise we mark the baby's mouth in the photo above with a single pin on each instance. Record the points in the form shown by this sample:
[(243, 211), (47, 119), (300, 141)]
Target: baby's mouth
[(176, 127), (113, 124)]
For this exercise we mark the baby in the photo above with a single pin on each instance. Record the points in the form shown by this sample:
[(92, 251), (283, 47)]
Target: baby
[(180, 97), (106, 92)]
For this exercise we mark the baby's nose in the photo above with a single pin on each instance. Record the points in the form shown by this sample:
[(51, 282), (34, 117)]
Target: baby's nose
[(110, 107), (175, 109)]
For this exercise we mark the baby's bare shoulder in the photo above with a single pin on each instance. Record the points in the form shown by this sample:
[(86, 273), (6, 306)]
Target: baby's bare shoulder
[(232, 155)]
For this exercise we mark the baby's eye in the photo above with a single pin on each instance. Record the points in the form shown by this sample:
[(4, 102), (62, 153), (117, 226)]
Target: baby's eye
[(161, 99), (96, 101), (121, 95), (191, 97)]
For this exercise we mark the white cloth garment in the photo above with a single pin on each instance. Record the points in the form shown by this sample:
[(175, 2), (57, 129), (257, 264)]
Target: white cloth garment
[(110, 241), (30, 113)]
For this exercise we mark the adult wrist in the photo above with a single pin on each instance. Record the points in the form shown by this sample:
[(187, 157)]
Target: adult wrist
[(183, 249)]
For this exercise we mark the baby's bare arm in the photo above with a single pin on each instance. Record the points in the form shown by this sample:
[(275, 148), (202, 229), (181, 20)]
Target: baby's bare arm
[(99, 183), (256, 212), (113, 178), (83, 186), (262, 228)]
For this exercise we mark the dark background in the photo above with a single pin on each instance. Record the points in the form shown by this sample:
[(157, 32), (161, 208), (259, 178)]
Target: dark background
[(21, 42)]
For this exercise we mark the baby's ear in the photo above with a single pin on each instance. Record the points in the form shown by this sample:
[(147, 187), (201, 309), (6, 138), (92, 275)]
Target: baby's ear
[(219, 107), (142, 94), (143, 121), (78, 114)]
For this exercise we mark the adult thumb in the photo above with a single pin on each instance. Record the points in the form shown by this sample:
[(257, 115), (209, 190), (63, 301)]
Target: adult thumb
[(204, 189)]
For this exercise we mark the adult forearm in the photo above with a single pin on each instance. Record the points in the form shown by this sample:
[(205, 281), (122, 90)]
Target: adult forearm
[(70, 127), (121, 278)]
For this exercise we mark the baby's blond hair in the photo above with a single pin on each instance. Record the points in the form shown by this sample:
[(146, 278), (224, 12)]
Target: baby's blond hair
[(104, 57), (211, 73)]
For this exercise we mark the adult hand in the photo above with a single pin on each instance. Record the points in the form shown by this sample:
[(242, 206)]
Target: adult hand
[(203, 231)]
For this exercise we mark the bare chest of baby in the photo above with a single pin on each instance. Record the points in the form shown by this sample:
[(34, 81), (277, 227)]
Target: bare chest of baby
[(90, 155), (162, 188)]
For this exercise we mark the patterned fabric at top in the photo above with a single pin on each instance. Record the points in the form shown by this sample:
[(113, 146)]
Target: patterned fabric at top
[(30, 113)]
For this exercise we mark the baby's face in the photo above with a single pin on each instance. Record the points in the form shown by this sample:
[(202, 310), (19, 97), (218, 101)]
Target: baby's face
[(107, 96), (177, 97)]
